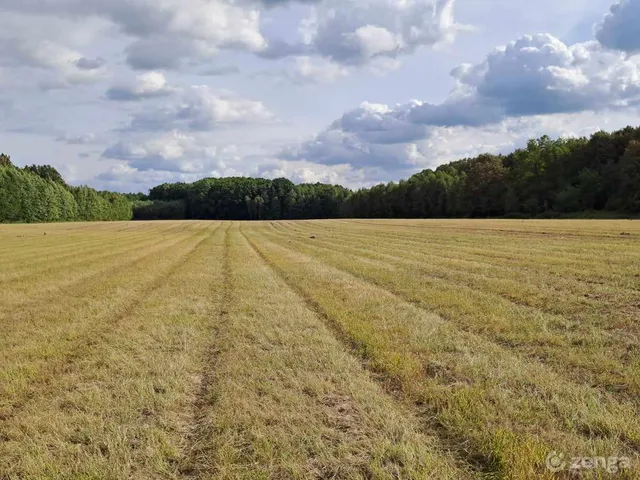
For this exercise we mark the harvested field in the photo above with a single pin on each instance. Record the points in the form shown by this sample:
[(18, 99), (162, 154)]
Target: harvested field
[(341, 349)]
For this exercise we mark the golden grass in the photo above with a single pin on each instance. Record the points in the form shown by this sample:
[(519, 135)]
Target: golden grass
[(368, 349), (285, 400), (587, 328)]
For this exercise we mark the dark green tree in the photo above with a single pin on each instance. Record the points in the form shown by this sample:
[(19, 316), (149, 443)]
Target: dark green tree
[(47, 172), (5, 160)]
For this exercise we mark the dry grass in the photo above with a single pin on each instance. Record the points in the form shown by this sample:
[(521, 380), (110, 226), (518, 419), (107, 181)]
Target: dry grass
[(374, 350)]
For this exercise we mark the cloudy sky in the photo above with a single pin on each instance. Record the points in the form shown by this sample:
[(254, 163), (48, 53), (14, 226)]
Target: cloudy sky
[(127, 94)]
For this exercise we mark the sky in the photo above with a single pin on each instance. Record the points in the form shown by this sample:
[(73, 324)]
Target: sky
[(128, 94)]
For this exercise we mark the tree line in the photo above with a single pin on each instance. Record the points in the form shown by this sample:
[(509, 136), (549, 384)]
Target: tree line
[(239, 198), (562, 177), (566, 176), (39, 194)]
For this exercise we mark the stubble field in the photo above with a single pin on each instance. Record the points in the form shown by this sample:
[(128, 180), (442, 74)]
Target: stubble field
[(365, 349)]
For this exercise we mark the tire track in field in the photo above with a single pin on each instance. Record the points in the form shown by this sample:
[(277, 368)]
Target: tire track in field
[(117, 250), (371, 253), (196, 449), (84, 283), (562, 250), (625, 388), (457, 226), (30, 314), (584, 431), (447, 248), (48, 375), (384, 256), (495, 338), (507, 256), (499, 269), (479, 464)]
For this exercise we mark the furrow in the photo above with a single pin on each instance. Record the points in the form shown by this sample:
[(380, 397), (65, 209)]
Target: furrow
[(443, 369), (47, 375), (585, 348)]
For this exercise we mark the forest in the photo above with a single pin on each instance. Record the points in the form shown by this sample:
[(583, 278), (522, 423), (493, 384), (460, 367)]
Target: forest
[(39, 194), (547, 178), (242, 199)]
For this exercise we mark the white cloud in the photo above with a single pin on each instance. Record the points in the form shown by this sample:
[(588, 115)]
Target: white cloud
[(200, 108), (354, 32), (40, 52), (126, 178), (61, 66), (167, 132), (338, 147), (376, 123), (620, 29), (534, 75), (165, 33), (174, 156), (172, 34), (146, 85), (172, 152), (539, 74)]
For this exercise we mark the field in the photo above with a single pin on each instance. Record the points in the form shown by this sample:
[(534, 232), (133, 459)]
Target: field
[(366, 349)]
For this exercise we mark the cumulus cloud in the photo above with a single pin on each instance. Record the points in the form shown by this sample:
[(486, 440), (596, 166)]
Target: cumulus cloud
[(200, 108), (354, 32), (381, 124), (146, 85), (126, 178), (171, 34), (61, 66), (620, 29), (175, 156), (534, 75), (164, 33), (171, 152), (145, 160), (338, 147), (36, 51), (526, 82), (539, 74)]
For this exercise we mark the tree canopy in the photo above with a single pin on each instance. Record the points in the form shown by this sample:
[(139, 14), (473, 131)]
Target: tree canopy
[(38, 194), (547, 177), (239, 198)]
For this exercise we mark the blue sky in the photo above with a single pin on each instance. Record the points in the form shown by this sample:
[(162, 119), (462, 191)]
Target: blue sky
[(126, 94)]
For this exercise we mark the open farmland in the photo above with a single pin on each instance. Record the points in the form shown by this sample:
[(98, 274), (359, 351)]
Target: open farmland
[(365, 349)]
